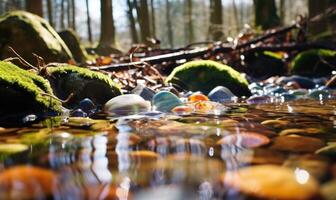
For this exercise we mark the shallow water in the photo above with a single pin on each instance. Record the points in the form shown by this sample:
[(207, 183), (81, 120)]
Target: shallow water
[(174, 157)]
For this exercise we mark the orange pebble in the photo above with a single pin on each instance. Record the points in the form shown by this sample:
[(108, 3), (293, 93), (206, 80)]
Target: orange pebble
[(197, 97), (182, 110), (203, 106)]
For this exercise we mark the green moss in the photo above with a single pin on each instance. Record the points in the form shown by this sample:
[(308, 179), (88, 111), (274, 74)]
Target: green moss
[(29, 33), (25, 91), (272, 55), (204, 75), (84, 83), (315, 62)]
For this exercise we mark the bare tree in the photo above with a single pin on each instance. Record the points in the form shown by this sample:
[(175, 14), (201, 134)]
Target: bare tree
[(169, 25), (143, 17), (62, 15), (107, 29), (35, 6), (153, 18), (266, 14), (236, 15), (189, 30), (73, 9), (131, 20), (88, 21), (216, 20), (69, 18), (50, 12)]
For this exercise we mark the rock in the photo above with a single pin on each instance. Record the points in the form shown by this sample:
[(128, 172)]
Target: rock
[(264, 64), (314, 63), (303, 82), (297, 144), (204, 75), (275, 123), (247, 140), (27, 182), (259, 99), (272, 182), (78, 113), (144, 92), (287, 97), (71, 39), (127, 104), (197, 97), (319, 94), (28, 33), (221, 94), (182, 110), (83, 83), (209, 108), (87, 105), (277, 91), (25, 92), (165, 101)]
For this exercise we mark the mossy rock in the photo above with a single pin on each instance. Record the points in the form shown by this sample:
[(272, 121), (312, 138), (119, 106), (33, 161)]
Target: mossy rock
[(204, 75), (71, 39), (24, 92), (83, 83), (314, 63), (28, 33), (264, 64)]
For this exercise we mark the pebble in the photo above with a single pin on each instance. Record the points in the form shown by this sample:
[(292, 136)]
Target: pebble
[(302, 81), (165, 101), (86, 105), (78, 113), (247, 140), (298, 144), (127, 104), (319, 94), (144, 92), (197, 98), (27, 182), (272, 182), (221, 94), (259, 99), (182, 110)]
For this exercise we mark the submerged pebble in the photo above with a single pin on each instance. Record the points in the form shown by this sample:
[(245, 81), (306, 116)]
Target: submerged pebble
[(165, 101), (221, 94), (87, 105), (273, 182), (127, 104), (299, 144), (259, 99), (247, 140)]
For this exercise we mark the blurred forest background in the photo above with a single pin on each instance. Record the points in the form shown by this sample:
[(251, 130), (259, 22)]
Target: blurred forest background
[(174, 22)]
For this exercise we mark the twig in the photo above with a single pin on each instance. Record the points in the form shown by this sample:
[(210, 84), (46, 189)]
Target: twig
[(23, 61)]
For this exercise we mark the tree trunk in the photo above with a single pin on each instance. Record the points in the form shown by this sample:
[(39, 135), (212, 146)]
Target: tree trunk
[(131, 20), (62, 15), (282, 12), (189, 30), (88, 21), (143, 17), (73, 9), (314, 8), (236, 16), (35, 6), (107, 29), (216, 20), (169, 25), (69, 14), (50, 13), (153, 18), (266, 14)]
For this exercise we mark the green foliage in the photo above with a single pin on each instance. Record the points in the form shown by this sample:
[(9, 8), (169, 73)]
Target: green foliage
[(204, 75), (24, 91), (315, 62)]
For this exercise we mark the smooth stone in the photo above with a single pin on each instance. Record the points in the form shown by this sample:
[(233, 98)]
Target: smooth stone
[(259, 99), (144, 92), (220, 94), (276, 123), (27, 182), (272, 182), (298, 144), (78, 113), (128, 104), (197, 97), (86, 105), (319, 94), (182, 110), (247, 140), (277, 91), (165, 101), (302, 81), (303, 131), (287, 97), (209, 107)]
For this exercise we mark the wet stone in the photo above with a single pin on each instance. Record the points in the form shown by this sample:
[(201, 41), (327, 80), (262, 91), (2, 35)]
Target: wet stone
[(259, 99), (165, 101), (272, 182), (127, 104), (297, 144), (144, 92), (275, 123), (197, 97), (247, 140), (221, 94)]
